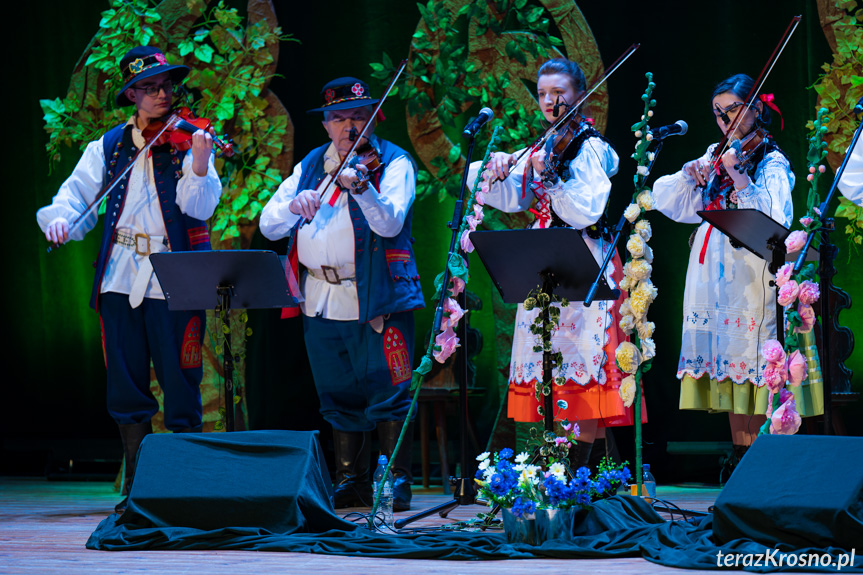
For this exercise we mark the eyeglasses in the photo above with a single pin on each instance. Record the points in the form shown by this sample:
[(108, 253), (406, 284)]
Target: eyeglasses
[(728, 114), (154, 89)]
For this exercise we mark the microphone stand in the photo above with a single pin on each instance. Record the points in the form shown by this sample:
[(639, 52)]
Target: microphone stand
[(826, 271), (464, 492)]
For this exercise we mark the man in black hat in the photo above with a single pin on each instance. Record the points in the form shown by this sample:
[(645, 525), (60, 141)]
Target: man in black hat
[(352, 239), (161, 204)]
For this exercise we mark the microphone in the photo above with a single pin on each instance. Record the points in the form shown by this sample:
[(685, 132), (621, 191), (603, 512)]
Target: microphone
[(858, 109), (557, 106), (484, 116), (678, 128)]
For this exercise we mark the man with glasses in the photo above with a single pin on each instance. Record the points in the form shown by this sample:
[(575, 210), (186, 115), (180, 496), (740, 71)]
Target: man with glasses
[(161, 204)]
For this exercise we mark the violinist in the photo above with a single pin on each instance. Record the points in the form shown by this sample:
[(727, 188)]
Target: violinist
[(352, 241), (729, 306), (566, 185), (161, 205)]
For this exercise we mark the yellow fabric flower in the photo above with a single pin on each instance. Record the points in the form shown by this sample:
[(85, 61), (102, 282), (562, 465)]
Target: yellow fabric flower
[(644, 230), (627, 323), (648, 348), (645, 200), (628, 357), (632, 212), (635, 245), (645, 329), (637, 269), (627, 390)]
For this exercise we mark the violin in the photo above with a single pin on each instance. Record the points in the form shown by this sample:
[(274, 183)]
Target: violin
[(367, 155), (558, 146), (748, 148), (176, 130)]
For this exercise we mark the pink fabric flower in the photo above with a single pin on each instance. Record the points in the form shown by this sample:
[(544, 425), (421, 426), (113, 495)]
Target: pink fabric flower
[(772, 351), (456, 286), (796, 368), (785, 420), (807, 314), (805, 221), (477, 212), (465, 243), (447, 341), (788, 293), (795, 241), (774, 376), (784, 274), (809, 292), (454, 310), (479, 197)]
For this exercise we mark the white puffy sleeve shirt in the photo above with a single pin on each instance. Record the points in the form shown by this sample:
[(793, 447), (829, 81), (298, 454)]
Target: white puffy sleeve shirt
[(579, 201), (679, 198)]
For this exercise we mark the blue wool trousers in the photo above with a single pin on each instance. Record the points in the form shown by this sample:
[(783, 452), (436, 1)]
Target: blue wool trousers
[(361, 376), (172, 339)]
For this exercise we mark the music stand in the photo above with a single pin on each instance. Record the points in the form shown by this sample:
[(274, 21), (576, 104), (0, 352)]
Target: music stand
[(761, 235), (250, 279), (557, 259)]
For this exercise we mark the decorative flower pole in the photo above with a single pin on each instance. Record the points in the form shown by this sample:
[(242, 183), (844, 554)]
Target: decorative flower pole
[(444, 341), (797, 360), (634, 357)]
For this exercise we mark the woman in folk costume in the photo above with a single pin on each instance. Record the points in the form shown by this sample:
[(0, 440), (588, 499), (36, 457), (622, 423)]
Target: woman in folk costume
[(729, 305), (573, 195)]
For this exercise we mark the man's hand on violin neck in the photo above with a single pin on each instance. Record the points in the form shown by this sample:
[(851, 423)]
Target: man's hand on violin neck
[(202, 147), (352, 179)]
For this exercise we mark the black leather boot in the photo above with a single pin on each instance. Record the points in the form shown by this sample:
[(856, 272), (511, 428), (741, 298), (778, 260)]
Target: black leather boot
[(353, 483), (388, 433), (132, 435)]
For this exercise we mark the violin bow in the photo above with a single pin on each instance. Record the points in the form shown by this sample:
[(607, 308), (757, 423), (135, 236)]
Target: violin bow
[(757, 85), (362, 133), (110, 186)]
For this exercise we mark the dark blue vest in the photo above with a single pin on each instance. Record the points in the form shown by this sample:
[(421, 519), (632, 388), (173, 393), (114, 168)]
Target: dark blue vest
[(387, 278), (184, 233)]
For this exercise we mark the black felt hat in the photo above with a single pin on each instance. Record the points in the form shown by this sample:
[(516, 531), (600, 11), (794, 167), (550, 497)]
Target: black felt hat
[(344, 94), (143, 62)]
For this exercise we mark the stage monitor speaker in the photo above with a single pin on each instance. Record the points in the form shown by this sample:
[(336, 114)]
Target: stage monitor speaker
[(272, 480), (802, 490)]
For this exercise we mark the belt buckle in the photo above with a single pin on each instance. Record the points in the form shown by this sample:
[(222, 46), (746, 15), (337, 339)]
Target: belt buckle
[(142, 245), (327, 270)]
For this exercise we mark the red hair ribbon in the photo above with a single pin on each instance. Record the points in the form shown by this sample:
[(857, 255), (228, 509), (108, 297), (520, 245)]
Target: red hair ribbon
[(380, 116), (768, 100)]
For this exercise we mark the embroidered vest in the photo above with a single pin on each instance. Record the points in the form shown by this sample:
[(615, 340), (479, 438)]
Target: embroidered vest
[(184, 233), (387, 280)]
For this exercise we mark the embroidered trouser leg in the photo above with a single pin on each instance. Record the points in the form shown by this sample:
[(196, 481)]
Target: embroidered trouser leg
[(172, 339), (362, 377)]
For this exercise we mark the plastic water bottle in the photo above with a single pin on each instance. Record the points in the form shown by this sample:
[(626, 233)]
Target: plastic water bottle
[(649, 483), (385, 486)]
